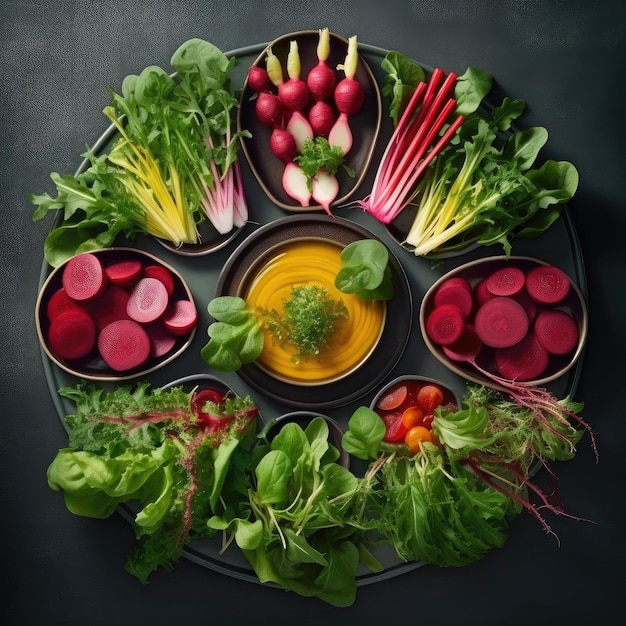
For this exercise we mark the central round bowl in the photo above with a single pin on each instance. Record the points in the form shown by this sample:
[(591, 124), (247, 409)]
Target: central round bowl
[(311, 261), (305, 249)]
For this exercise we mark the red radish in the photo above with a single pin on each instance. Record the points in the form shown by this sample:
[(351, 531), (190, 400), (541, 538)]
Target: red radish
[(295, 184), (321, 80), (466, 348), (72, 334), (506, 281), (269, 109), (324, 189), (148, 300), (556, 331), (501, 322), (181, 318), (445, 324), (60, 302), (163, 274), (124, 345), (526, 360), (294, 92), (322, 117), (547, 284), (457, 291), (299, 127), (109, 307), (161, 340), (258, 80), (124, 273), (393, 398), (283, 145), (349, 94), (84, 277)]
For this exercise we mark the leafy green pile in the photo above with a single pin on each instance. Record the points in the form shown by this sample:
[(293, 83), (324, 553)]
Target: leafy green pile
[(173, 165), (147, 449)]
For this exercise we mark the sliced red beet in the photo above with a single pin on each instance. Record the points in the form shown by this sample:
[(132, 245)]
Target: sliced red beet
[(444, 324), (84, 277), (527, 360), (457, 291), (547, 284), (466, 348), (109, 307), (556, 331), (481, 293), (181, 318), (530, 306), (148, 300), (72, 334), (124, 273), (124, 345), (506, 281), (161, 340), (60, 302), (163, 274), (501, 322)]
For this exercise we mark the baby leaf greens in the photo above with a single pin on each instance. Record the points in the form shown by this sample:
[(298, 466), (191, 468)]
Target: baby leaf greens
[(296, 531), (173, 164), (149, 449), (365, 270)]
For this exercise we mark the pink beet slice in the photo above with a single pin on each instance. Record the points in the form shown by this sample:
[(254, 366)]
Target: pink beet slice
[(163, 274), (58, 303), (556, 331), (161, 340), (110, 306), (124, 345), (530, 306), (506, 281), (72, 334), (444, 324), (501, 322), (148, 300), (181, 318), (124, 273), (457, 291), (481, 293), (547, 284), (466, 348), (84, 277), (527, 360)]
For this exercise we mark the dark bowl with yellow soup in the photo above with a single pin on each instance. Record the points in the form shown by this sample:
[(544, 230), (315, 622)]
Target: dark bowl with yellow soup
[(365, 346)]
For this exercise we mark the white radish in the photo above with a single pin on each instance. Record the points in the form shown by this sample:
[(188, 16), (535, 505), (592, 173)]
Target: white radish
[(300, 128), (325, 188), (295, 184)]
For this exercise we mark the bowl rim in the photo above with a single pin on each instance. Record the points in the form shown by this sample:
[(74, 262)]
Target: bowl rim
[(471, 374)]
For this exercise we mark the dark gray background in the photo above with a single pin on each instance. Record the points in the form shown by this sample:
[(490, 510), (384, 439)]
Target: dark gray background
[(567, 60)]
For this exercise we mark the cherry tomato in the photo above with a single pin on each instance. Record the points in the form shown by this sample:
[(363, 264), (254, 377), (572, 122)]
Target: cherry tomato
[(415, 436), (412, 416), (393, 398), (396, 430), (429, 398)]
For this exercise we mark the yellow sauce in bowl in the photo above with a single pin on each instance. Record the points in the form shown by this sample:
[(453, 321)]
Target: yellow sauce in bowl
[(311, 261)]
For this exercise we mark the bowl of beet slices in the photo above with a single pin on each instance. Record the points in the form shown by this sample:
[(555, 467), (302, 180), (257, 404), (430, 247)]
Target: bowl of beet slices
[(114, 314), (319, 109), (499, 320)]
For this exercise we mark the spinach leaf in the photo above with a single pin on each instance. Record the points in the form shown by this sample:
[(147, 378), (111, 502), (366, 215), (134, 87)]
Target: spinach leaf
[(364, 435)]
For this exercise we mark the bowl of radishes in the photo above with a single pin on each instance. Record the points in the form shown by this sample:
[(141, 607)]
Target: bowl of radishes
[(505, 320), (313, 109), (114, 314)]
